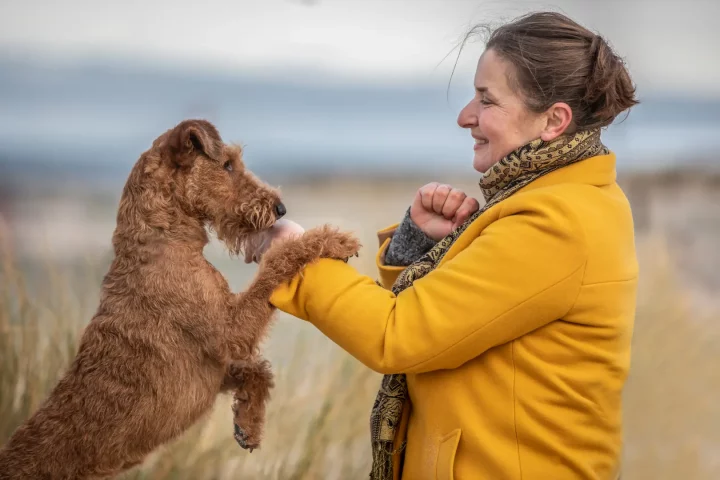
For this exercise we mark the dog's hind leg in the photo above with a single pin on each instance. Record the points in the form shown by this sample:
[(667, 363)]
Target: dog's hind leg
[(252, 381)]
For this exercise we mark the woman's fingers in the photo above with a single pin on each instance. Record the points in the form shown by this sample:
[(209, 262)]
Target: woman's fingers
[(468, 207), (259, 243), (254, 246), (439, 198), (454, 200), (427, 194), (249, 249)]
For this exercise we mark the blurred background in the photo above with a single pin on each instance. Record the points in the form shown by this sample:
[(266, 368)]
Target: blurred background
[(348, 106)]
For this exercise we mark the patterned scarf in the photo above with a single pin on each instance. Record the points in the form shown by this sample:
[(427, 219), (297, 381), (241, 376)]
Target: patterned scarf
[(506, 177)]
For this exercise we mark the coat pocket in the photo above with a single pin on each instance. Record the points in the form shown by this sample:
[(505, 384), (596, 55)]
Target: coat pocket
[(446, 455)]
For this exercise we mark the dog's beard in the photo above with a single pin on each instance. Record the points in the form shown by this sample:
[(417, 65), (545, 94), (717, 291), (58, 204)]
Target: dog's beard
[(258, 217), (244, 227), (235, 237)]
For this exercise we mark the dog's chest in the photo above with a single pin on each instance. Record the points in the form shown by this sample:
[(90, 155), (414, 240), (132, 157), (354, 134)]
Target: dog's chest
[(215, 280)]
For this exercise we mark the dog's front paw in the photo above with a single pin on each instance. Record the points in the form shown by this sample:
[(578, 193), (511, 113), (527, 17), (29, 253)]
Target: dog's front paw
[(288, 258), (334, 243), (342, 246)]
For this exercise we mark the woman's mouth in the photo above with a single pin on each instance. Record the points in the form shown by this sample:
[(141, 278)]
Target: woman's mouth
[(479, 143)]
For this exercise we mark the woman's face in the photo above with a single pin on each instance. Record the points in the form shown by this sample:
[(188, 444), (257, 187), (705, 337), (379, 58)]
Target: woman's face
[(497, 117)]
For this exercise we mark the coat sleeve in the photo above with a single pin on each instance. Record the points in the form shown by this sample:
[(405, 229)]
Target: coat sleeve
[(408, 243), (387, 274), (522, 272)]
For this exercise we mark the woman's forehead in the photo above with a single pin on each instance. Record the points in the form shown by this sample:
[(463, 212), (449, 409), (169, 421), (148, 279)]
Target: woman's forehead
[(492, 74)]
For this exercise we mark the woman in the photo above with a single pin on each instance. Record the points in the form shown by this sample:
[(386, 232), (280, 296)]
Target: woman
[(506, 342)]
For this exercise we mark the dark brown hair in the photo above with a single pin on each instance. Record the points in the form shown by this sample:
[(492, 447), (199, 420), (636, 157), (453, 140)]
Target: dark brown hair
[(557, 60)]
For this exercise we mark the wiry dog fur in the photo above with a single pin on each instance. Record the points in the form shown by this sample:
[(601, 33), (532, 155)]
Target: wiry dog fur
[(169, 335)]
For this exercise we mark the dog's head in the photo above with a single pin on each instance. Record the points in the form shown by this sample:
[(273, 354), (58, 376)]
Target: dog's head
[(212, 183)]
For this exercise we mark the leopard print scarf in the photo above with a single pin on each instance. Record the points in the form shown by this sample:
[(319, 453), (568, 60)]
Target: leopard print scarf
[(506, 177)]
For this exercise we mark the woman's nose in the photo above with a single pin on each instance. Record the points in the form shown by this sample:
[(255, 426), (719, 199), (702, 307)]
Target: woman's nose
[(467, 118)]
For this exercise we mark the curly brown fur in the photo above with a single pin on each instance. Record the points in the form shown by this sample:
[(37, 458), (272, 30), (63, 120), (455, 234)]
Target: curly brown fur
[(168, 335)]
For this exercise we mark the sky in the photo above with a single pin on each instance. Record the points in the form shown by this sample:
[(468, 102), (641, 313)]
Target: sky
[(670, 45)]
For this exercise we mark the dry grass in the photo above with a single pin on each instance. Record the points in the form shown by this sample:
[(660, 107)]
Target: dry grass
[(672, 417), (317, 421)]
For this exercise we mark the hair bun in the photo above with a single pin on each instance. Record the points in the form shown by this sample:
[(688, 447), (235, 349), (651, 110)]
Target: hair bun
[(609, 89), (555, 59)]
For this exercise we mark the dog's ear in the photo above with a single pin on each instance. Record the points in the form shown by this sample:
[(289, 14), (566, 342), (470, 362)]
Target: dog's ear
[(191, 137)]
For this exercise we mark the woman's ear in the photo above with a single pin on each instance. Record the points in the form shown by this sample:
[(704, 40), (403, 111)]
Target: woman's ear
[(558, 117)]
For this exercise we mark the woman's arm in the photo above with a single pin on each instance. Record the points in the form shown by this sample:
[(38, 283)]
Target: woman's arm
[(522, 272)]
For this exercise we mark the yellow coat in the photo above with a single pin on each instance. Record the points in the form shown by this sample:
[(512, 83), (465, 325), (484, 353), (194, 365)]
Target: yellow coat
[(517, 347)]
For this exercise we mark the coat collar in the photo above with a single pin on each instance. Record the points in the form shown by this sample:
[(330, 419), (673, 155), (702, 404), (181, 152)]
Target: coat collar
[(597, 171)]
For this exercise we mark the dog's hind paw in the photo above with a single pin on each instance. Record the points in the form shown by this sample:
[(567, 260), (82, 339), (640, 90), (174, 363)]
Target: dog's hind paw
[(243, 440)]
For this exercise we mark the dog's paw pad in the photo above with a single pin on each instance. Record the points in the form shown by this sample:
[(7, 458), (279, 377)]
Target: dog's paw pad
[(243, 440)]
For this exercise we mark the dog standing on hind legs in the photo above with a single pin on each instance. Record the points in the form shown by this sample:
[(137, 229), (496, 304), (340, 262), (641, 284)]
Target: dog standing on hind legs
[(168, 334)]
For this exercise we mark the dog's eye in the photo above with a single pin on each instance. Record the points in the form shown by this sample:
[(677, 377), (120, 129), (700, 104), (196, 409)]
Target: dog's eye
[(228, 166)]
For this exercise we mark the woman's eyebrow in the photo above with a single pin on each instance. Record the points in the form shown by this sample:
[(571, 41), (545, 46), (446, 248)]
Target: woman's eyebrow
[(485, 92)]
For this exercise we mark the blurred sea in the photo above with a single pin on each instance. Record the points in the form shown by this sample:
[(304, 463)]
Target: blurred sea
[(89, 122)]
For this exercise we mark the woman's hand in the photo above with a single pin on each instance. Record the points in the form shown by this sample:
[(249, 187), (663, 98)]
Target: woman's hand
[(260, 243), (439, 209)]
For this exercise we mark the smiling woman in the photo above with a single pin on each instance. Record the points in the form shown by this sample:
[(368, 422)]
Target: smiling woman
[(504, 331), (525, 82)]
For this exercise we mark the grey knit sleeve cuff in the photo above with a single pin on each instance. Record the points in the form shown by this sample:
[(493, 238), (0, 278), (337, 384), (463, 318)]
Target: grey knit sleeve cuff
[(407, 244)]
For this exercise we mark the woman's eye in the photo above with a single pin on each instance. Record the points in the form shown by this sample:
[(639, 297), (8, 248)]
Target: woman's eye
[(228, 166), (485, 102)]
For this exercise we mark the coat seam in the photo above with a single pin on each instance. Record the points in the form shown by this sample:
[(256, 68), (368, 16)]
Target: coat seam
[(517, 436), (577, 297), (631, 279)]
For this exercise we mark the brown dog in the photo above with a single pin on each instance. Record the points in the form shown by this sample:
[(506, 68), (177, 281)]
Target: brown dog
[(169, 335)]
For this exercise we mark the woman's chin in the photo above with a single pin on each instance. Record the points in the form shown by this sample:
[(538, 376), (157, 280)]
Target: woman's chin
[(481, 163)]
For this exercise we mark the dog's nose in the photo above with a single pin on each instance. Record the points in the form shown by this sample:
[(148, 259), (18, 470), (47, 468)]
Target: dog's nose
[(280, 210)]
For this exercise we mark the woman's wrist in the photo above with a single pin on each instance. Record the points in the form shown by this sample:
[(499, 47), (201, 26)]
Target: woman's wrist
[(407, 244)]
